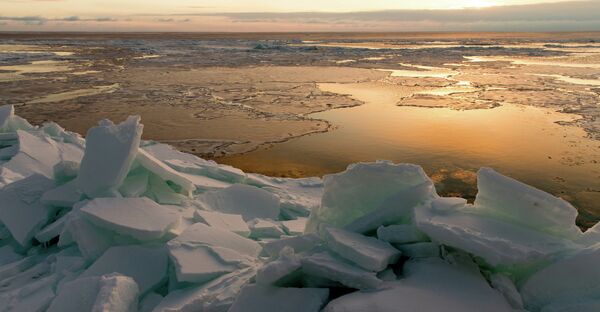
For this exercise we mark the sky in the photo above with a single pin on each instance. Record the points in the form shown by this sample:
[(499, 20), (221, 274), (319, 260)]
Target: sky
[(299, 15)]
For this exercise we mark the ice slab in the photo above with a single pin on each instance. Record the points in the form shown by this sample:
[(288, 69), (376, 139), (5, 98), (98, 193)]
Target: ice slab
[(515, 202), (280, 270), (367, 252), (260, 228), (6, 112), (8, 176), (21, 210), (115, 293), (295, 227), (149, 302), (109, 153), (427, 286), (367, 187), (36, 154), (248, 201), (297, 243), (507, 287), (202, 234), (34, 297), (231, 222), (165, 172), (140, 218), (91, 240), (401, 234), (256, 298), (135, 185), (419, 250), (202, 253), (65, 195), (217, 295), (572, 280), (496, 241), (8, 255), (146, 265), (326, 265)]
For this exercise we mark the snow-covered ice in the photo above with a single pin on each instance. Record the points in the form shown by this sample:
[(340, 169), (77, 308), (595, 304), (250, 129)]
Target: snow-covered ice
[(113, 223)]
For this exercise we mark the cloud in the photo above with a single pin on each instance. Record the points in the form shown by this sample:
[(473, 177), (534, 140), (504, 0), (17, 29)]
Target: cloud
[(39, 20), (172, 20)]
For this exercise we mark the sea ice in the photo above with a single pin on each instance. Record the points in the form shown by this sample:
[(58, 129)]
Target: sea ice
[(109, 153), (146, 265), (326, 265), (140, 218), (575, 279), (279, 270), (428, 286), (21, 210), (231, 222), (115, 293), (419, 250), (367, 252), (518, 203), (365, 188), (165, 172), (297, 243), (256, 298), (294, 227), (260, 228), (401, 234), (248, 201)]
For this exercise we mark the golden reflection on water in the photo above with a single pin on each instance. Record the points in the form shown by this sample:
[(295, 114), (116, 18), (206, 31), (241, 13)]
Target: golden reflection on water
[(520, 141)]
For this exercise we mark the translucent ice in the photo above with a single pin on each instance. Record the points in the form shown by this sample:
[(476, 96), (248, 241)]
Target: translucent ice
[(331, 267), (109, 153), (248, 201), (256, 298)]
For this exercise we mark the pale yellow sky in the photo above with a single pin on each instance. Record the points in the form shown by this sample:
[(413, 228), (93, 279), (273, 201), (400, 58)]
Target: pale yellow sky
[(274, 15)]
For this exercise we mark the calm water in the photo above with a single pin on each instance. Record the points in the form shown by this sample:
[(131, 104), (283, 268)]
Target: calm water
[(520, 141)]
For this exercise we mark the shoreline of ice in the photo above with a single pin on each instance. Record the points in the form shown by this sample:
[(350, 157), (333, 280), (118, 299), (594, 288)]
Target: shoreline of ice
[(113, 223)]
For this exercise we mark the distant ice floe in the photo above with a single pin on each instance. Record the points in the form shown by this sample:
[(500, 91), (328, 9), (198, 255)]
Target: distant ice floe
[(112, 223)]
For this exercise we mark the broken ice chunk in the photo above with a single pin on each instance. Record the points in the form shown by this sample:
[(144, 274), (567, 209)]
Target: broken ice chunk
[(65, 195), (217, 295), (574, 279), (140, 218), (367, 252), (149, 302), (135, 185), (248, 201), (515, 202), (401, 234), (506, 286), (91, 240), (447, 204), (6, 112), (8, 255), (260, 228), (256, 298), (65, 171), (146, 265), (202, 234), (428, 286), (35, 296), (298, 244), (367, 187), (109, 153), (326, 265), (21, 210), (7, 177), (420, 250), (36, 154), (280, 270), (202, 253), (231, 222), (497, 242), (294, 227), (114, 292), (165, 172)]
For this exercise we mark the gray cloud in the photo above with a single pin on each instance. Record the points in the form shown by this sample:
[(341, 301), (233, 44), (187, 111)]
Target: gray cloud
[(39, 20), (173, 20)]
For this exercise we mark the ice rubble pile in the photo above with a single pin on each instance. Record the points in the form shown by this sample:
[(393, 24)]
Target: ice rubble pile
[(113, 223)]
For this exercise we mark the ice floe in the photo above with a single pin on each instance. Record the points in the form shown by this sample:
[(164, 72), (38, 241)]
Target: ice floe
[(114, 223)]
